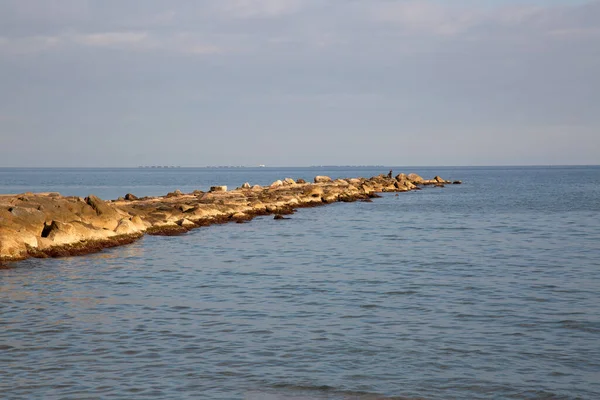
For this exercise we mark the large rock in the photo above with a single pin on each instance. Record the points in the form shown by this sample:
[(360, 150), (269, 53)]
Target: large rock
[(99, 205), (416, 179), (12, 246), (323, 179)]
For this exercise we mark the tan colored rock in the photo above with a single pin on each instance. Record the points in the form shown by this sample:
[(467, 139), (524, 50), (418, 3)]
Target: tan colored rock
[(176, 193), (322, 179), (276, 184), (246, 186), (126, 227), (414, 178), (186, 223), (42, 225), (12, 246)]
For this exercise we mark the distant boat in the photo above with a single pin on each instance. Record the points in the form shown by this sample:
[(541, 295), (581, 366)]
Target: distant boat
[(262, 165)]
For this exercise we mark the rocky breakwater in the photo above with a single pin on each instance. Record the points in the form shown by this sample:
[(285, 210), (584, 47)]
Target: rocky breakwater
[(51, 225)]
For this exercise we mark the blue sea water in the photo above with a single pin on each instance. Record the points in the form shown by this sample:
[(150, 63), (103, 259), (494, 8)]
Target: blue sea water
[(486, 290)]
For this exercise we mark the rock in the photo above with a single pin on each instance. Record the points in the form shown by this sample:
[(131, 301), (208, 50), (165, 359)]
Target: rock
[(439, 179), (126, 227), (186, 223), (139, 223), (402, 186), (185, 207), (314, 192), (416, 179), (457, 182), (12, 247), (246, 186), (42, 225), (322, 179), (241, 217), (279, 216), (300, 181), (176, 193), (341, 182), (276, 184), (99, 205)]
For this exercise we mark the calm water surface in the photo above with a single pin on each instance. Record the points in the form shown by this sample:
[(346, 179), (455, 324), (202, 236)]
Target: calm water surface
[(488, 290)]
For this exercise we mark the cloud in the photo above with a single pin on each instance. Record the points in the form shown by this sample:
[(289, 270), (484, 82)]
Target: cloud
[(422, 16), (427, 17), (259, 8), (109, 39), (127, 40)]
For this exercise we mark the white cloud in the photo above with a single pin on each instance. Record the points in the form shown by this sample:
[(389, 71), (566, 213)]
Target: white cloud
[(134, 41), (109, 39), (259, 8)]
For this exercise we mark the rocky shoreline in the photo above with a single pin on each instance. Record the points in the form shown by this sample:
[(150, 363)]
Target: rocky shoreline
[(50, 225)]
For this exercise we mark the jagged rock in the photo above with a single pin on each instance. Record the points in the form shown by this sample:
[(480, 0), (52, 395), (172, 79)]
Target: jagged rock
[(218, 188), (130, 197), (99, 205), (401, 177), (322, 179), (246, 186)]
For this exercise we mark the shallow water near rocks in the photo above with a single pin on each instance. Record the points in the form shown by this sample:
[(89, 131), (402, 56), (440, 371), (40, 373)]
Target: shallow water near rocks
[(486, 290)]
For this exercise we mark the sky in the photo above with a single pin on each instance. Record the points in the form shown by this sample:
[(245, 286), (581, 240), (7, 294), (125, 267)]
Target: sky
[(124, 83)]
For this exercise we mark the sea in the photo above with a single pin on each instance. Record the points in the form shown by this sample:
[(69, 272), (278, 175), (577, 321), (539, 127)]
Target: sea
[(485, 290)]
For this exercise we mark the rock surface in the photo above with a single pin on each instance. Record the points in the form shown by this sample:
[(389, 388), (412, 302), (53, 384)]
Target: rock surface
[(51, 225)]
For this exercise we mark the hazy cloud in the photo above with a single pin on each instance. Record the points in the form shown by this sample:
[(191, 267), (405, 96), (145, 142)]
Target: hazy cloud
[(244, 74)]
